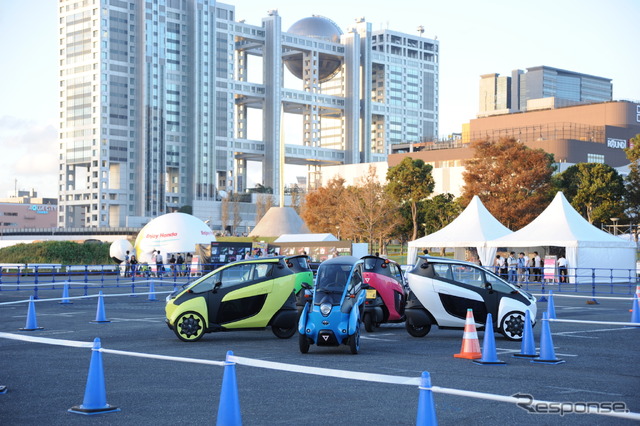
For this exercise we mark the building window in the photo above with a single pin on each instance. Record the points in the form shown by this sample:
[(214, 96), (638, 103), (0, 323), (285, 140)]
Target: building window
[(595, 158)]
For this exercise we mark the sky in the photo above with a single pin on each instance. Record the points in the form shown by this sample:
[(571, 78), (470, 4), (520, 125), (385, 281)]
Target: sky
[(587, 36)]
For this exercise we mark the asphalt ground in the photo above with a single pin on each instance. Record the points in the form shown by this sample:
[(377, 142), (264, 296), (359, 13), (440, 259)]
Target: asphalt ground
[(44, 380)]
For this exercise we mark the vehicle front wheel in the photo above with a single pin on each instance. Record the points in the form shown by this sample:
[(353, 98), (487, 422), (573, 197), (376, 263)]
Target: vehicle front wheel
[(303, 342), (512, 325), (354, 342), (284, 333), (189, 327), (368, 322), (417, 331)]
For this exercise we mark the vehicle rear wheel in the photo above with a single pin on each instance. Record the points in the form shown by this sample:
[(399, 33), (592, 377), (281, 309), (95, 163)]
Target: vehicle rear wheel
[(417, 331), (189, 327), (368, 322), (354, 342), (303, 342), (512, 325), (284, 333)]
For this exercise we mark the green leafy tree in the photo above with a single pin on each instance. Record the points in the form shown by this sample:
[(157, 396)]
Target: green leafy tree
[(409, 183), (512, 180), (595, 190), (439, 211), (632, 181)]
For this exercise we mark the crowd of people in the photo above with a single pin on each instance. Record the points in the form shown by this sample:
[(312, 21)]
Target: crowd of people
[(526, 268), (176, 265)]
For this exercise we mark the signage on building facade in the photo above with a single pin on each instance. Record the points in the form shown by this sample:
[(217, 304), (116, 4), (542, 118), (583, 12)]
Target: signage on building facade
[(616, 143), (42, 208)]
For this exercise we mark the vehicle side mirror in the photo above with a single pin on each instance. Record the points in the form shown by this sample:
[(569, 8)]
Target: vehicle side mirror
[(217, 286), (306, 286), (424, 265), (488, 286)]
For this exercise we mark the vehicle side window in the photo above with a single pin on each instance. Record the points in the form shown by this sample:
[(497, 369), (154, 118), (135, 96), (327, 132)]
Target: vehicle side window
[(442, 270), (206, 284), (497, 284), (468, 275), (355, 281), (239, 274)]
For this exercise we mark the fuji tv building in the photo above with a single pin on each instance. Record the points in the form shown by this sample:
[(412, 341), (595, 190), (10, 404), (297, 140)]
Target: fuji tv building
[(190, 101)]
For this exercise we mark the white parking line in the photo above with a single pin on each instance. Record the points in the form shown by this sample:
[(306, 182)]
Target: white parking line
[(574, 390), (376, 338), (569, 333), (152, 319), (513, 351)]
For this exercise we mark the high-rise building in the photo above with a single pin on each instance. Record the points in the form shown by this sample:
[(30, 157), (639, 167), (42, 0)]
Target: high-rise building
[(540, 87), (161, 101)]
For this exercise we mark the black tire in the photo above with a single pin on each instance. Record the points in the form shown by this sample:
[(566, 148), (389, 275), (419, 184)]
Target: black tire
[(189, 327), (284, 333), (303, 342), (368, 322), (512, 325), (417, 331), (354, 342)]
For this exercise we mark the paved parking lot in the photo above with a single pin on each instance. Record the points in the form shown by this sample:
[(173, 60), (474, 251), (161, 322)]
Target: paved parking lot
[(45, 380)]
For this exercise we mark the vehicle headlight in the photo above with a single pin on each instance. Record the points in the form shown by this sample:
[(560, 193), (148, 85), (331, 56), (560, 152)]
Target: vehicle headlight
[(325, 309)]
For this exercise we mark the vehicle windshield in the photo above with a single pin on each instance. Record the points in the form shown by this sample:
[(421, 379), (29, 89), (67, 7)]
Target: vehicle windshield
[(332, 278), (298, 264)]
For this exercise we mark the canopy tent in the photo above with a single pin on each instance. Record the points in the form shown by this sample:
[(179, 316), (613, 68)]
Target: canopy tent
[(172, 233), (472, 228), (585, 245), (305, 238), (278, 221)]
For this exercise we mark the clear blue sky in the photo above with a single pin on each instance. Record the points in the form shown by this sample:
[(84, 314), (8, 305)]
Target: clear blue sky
[(588, 36)]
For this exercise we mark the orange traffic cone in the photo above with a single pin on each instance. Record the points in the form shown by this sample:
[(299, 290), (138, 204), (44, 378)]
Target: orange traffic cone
[(470, 344)]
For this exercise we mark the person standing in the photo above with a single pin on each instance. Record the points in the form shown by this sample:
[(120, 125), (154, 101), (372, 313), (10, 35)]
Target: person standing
[(180, 264), (538, 266), (159, 264), (134, 265), (562, 268), (522, 267), (127, 264), (512, 264)]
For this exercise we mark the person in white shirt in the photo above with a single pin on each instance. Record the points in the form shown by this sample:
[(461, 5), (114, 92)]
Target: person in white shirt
[(562, 268), (511, 264)]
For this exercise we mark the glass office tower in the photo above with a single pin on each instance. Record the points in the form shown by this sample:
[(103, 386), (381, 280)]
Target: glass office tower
[(159, 98)]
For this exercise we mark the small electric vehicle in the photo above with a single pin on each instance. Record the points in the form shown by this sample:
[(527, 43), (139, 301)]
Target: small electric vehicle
[(334, 315), (247, 294), (443, 289), (386, 298)]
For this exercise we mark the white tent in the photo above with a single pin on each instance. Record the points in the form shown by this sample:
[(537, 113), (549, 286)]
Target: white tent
[(585, 245), (472, 228), (172, 233), (305, 238)]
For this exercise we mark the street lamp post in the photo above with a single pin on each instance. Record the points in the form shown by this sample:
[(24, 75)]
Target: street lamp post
[(615, 225)]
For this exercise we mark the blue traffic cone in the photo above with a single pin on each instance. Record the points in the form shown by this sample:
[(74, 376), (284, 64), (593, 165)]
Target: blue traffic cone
[(95, 394), (152, 292), (489, 355), (3, 389), (528, 346), (32, 322), (100, 315), (229, 406), (547, 352), (426, 406), (551, 307), (65, 294), (635, 312)]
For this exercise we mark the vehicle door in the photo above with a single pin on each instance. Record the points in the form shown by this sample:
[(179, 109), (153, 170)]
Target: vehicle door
[(240, 292), (459, 287)]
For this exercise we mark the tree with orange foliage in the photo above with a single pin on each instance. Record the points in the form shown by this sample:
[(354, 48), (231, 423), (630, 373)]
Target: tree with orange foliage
[(512, 180), (323, 207)]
